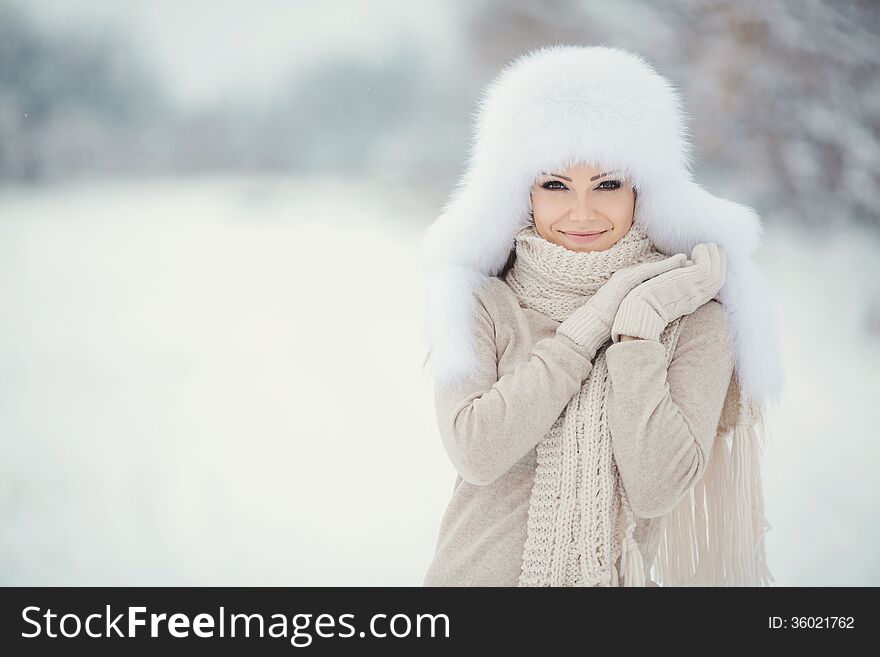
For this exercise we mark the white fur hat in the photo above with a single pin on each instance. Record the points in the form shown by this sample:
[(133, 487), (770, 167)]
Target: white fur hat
[(562, 104)]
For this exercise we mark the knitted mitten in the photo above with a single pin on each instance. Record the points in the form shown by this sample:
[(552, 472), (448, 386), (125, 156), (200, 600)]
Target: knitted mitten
[(589, 325), (649, 308)]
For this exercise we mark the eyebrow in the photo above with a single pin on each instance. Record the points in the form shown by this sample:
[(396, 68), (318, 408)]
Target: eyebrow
[(556, 175)]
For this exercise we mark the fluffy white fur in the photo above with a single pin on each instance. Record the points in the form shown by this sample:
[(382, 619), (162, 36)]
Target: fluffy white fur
[(562, 104)]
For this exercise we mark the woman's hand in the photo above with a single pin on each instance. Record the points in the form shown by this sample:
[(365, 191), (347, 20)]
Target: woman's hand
[(590, 324), (650, 306)]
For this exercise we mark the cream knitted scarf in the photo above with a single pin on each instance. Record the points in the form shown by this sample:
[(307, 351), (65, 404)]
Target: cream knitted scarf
[(581, 527)]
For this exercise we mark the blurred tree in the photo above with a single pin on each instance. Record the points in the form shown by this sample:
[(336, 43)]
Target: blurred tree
[(69, 103)]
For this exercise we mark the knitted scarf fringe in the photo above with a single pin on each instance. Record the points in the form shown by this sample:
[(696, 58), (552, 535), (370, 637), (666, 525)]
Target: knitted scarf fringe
[(715, 535)]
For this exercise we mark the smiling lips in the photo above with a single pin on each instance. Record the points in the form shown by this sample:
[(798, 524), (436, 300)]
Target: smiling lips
[(583, 237)]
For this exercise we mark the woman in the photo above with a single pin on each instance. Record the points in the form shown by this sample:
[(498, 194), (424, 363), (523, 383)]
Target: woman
[(587, 373)]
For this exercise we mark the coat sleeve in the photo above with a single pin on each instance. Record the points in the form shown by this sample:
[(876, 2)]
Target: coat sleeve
[(663, 423), (488, 423)]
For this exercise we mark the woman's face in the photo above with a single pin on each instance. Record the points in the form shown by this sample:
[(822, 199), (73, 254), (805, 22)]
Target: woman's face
[(582, 200)]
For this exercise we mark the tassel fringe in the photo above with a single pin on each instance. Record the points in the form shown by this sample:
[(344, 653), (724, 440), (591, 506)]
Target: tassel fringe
[(633, 565), (715, 534)]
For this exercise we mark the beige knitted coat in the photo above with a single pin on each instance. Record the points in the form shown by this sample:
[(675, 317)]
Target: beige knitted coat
[(664, 416)]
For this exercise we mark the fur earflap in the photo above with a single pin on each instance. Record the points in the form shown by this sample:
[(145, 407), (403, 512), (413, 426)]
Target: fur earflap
[(560, 105)]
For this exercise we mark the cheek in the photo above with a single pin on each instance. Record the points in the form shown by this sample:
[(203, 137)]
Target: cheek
[(616, 207), (547, 203)]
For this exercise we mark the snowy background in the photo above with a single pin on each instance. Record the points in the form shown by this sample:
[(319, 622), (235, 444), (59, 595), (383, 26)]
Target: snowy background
[(210, 364)]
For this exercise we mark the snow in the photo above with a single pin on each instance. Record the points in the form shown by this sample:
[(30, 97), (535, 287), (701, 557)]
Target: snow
[(189, 394), (217, 381), (820, 482)]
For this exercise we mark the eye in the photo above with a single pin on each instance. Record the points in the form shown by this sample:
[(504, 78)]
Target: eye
[(547, 184), (612, 182)]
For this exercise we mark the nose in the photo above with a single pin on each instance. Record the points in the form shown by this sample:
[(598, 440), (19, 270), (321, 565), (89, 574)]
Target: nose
[(583, 211)]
